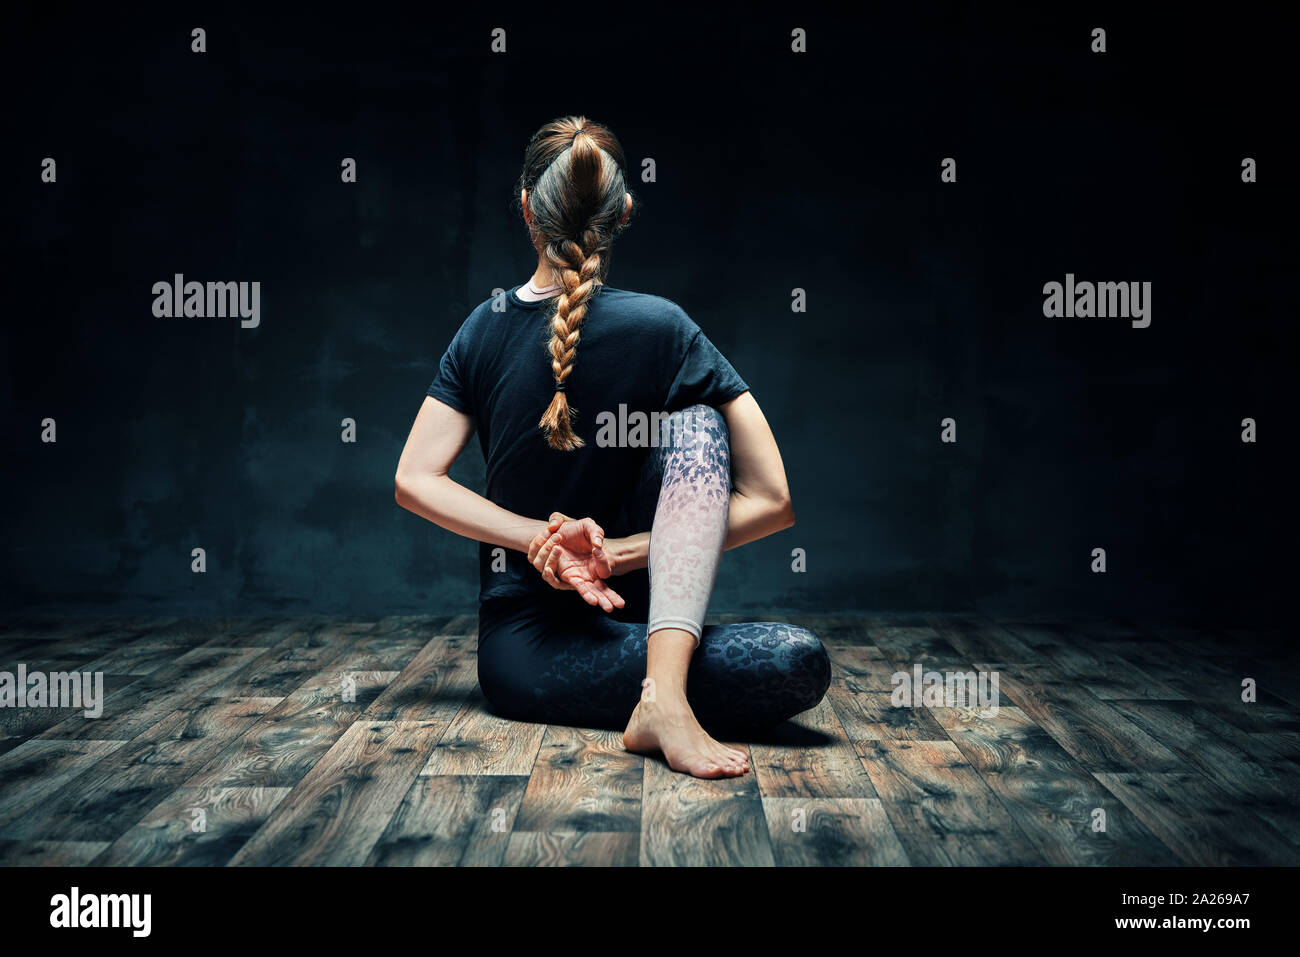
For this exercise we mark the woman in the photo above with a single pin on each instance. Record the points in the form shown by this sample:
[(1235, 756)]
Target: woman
[(577, 626)]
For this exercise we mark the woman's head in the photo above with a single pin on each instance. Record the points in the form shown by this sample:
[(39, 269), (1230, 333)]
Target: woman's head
[(574, 198)]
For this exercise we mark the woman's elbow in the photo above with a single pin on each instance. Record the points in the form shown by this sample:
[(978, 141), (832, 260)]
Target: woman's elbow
[(402, 488), (783, 512)]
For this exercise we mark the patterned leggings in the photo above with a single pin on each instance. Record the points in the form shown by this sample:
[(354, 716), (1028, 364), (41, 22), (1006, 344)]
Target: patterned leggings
[(553, 659)]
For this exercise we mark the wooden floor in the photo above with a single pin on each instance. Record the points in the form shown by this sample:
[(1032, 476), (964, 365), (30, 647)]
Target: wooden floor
[(232, 742)]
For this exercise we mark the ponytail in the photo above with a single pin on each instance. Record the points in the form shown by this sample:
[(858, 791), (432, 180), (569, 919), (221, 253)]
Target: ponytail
[(579, 275), (573, 171)]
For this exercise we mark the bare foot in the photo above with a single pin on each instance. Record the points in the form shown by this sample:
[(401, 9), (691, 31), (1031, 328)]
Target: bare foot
[(670, 727)]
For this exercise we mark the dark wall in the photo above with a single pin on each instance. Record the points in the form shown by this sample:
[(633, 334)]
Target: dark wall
[(775, 171)]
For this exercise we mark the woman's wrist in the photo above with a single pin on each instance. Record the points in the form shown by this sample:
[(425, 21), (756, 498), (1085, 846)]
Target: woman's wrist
[(628, 554)]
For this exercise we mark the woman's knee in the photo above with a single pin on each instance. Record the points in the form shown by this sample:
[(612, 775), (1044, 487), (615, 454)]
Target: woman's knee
[(507, 677), (770, 661), (502, 687), (808, 664), (758, 674)]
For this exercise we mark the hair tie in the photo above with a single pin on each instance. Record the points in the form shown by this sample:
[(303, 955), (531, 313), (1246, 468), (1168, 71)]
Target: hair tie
[(559, 385), (576, 132)]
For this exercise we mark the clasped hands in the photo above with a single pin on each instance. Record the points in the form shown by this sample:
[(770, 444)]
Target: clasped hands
[(570, 554)]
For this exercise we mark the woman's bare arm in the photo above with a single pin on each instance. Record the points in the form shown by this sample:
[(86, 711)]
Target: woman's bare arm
[(760, 499), (424, 487)]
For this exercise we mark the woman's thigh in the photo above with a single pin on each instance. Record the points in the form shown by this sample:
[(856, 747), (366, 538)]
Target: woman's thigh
[(559, 662)]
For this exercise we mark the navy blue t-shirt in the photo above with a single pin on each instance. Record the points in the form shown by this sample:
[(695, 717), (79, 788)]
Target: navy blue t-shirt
[(635, 350)]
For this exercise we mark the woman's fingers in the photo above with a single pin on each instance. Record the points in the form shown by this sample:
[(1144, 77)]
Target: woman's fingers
[(604, 596), (583, 588), (548, 576), (545, 552), (553, 561), (536, 544), (593, 591), (570, 555), (615, 599), (595, 534), (539, 542), (601, 599)]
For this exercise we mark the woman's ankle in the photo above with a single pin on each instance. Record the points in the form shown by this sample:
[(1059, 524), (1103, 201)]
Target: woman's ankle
[(665, 692)]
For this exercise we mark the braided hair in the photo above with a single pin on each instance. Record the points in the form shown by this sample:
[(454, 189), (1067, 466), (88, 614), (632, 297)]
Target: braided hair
[(575, 176)]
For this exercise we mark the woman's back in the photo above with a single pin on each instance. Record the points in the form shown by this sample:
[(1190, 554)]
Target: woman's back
[(639, 355)]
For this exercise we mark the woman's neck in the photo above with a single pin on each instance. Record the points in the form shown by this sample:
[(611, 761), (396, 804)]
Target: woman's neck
[(543, 284), (531, 291), (544, 277)]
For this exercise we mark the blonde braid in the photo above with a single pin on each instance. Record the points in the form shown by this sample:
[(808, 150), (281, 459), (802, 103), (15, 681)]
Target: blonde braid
[(579, 274), (574, 198)]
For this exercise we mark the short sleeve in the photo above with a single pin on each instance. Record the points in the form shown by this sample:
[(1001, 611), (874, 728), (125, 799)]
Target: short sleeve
[(450, 385), (705, 377)]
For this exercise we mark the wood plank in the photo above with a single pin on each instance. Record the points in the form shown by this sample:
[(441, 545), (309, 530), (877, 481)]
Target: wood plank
[(583, 781), (843, 630), (36, 770), (810, 758), (337, 813), (73, 644), (868, 715), (265, 631), (866, 663), (167, 752), (1191, 661), (150, 698), (1224, 755), (136, 659), (1202, 825), (452, 821), (1282, 746), (28, 722), (394, 642), (1096, 666), (1049, 794), (1092, 731), (296, 655), (171, 835), (832, 832), (922, 645), (598, 849), (941, 809), (696, 822), (985, 644), (905, 648), (478, 742), (1276, 674), (281, 747), (49, 853), (436, 682), (122, 787)]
